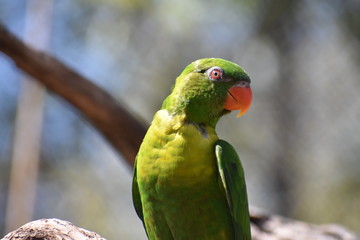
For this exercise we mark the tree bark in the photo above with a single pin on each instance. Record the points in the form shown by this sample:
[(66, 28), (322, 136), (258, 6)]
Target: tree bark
[(274, 227), (125, 133), (51, 229), (263, 227)]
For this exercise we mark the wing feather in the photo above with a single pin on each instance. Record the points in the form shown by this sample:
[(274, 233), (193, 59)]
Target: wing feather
[(136, 196), (232, 178)]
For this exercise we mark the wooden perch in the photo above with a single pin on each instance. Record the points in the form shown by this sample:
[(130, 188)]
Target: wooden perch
[(125, 133), (274, 227), (264, 227), (51, 229)]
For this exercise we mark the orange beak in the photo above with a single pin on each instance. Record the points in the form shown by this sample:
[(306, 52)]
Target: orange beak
[(239, 98)]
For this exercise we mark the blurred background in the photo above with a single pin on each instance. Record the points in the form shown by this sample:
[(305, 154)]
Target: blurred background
[(299, 143)]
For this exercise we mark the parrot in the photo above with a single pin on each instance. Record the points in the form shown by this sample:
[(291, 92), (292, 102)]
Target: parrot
[(188, 183)]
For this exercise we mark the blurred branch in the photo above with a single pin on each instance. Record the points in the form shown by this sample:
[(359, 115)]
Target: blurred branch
[(45, 229), (264, 227), (125, 133), (118, 126), (28, 124), (279, 25), (274, 227)]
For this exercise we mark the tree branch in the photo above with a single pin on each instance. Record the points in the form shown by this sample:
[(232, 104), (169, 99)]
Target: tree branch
[(274, 227), (125, 133), (118, 126), (264, 227), (51, 229)]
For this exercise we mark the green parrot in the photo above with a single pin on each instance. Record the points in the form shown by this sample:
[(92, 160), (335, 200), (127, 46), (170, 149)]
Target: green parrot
[(187, 183)]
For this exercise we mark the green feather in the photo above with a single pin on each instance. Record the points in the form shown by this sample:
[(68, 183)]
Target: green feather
[(176, 190), (233, 181), (202, 100)]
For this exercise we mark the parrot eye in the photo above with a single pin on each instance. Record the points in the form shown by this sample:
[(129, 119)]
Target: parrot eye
[(215, 73)]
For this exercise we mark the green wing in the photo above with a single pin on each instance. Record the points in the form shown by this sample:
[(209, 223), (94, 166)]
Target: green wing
[(136, 196), (233, 181)]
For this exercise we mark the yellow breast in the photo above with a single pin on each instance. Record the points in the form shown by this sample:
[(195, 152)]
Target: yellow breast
[(176, 151)]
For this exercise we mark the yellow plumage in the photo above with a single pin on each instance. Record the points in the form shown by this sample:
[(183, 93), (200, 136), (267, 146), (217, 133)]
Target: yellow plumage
[(188, 159)]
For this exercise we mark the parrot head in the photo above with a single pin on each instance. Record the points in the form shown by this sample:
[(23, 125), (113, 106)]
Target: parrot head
[(209, 88)]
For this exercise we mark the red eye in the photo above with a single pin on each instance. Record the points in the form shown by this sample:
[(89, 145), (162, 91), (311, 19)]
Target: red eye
[(215, 74)]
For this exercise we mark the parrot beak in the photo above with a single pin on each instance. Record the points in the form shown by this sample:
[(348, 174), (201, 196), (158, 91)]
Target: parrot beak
[(239, 97)]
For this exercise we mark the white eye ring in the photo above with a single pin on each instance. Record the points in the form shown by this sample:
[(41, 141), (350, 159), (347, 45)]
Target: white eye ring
[(215, 73)]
